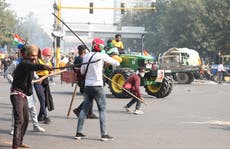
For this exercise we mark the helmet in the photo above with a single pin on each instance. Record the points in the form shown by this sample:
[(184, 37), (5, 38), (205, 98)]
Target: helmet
[(47, 52), (97, 44)]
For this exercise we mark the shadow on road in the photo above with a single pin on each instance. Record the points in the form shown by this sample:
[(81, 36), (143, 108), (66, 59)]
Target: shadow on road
[(223, 127)]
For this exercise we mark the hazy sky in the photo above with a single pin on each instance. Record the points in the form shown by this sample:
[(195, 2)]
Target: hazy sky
[(43, 11), (41, 8)]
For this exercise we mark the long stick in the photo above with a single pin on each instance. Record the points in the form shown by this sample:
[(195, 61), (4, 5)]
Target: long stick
[(71, 102), (89, 50), (71, 31), (46, 76), (76, 65), (125, 90)]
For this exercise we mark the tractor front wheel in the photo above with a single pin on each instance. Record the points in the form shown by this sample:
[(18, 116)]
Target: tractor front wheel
[(118, 79)]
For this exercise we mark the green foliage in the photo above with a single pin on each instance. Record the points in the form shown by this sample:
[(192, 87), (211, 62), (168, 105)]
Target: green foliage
[(31, 30), (27, 27), (198, 24), (7, 23)]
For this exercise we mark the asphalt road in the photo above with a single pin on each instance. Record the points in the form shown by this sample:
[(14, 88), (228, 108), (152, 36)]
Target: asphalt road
[(195, 116)]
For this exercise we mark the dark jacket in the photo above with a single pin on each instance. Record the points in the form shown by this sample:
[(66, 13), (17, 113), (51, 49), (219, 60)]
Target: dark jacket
[(23, 76)]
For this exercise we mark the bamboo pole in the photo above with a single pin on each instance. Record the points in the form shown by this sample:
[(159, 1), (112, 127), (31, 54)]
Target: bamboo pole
[(125, 89), (71, 102), (46, 76)]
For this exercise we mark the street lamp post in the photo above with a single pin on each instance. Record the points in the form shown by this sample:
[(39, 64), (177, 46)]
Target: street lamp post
[(57, 33)]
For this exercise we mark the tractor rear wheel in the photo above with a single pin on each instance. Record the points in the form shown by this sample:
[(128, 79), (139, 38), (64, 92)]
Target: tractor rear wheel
[(160, 90), (184, 77)]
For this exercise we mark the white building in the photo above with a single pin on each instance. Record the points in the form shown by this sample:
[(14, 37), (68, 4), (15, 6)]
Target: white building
[(104, 22)]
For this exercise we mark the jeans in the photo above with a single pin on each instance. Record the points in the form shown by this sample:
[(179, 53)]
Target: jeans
[(97, 93), (79, 108), (220, 76), (42, 99), (138, 105)]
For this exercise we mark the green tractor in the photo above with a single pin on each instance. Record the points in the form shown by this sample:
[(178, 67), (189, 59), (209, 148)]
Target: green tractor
[(154, 86)]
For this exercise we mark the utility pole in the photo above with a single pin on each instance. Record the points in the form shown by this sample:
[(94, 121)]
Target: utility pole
[(57, 29), (57, 33)]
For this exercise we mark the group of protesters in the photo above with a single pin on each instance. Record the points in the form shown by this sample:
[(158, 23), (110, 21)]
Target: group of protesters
[(27, 76)]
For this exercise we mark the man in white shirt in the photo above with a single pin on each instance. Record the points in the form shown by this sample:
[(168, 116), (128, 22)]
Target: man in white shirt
[(94, 87), (220, 69)]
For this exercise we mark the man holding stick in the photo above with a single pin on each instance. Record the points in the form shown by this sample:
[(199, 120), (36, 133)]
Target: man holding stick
[(94, 88), (133, 84), (20, 89), (78, 61)]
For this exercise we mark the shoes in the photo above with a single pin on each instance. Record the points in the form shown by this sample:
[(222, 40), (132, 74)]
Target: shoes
[(127, 109), (106, 138), (52, 83), (91, 116), (79, 136), (39, 129), (76, 112), (47, 120), (11, 131), (24, 146), (40, 118), (138, 112)]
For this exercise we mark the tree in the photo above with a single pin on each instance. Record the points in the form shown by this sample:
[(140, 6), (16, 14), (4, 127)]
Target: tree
[(27, 27), (7, 24), (30, 29), (197, 24)]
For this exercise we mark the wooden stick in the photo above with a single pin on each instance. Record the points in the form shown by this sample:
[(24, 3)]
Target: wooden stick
[(125, 90), (46, 76), (71, 102)]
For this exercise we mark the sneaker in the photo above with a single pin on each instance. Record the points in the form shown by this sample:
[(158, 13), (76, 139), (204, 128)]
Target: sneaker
[(11, 131), (79, 136), (127, 109), (39, 129), (138, 112), (52, 83), (91, 116), (106, 138), (76, 112), (40, 118), (47, 120)]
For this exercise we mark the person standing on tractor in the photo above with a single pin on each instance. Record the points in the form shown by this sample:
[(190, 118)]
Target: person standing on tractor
[(94, 87), (118, 43), (133, 85)]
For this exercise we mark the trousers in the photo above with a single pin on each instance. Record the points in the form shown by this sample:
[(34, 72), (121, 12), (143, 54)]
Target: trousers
[(21, 118)]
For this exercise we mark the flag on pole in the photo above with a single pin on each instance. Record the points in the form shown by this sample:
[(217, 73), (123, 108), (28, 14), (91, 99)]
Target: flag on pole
[(18, 40), (145, 53)]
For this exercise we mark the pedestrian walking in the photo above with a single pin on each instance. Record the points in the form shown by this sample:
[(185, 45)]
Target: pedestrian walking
[(133, 85), (220, 70)]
